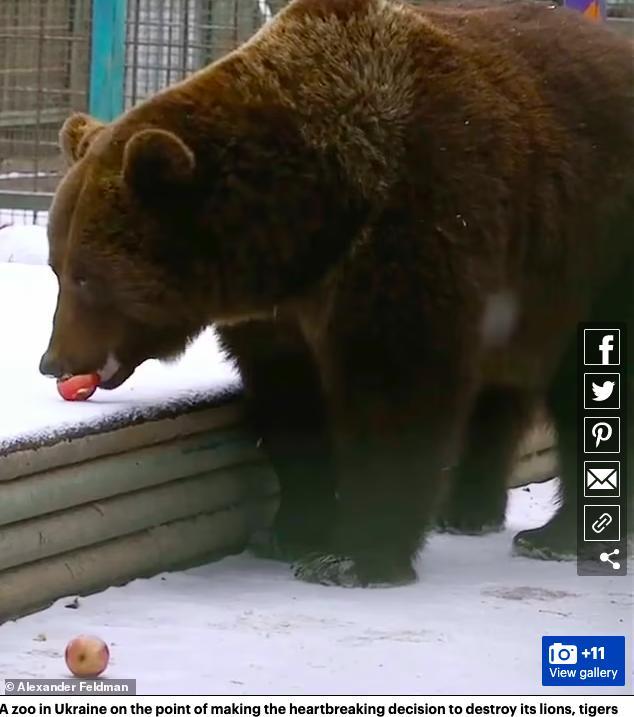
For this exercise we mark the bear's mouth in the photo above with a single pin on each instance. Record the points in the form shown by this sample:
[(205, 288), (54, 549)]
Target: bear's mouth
[(113, 373)]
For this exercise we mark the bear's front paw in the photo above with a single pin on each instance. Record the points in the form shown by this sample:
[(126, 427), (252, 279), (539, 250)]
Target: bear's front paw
[(329, 569)]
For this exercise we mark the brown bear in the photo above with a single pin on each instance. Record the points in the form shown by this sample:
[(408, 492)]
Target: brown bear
[(396, 217)]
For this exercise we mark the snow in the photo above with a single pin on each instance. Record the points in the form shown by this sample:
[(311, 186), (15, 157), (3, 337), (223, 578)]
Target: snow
[(23, 243), (472, 624), (32, 411), (23, 217)]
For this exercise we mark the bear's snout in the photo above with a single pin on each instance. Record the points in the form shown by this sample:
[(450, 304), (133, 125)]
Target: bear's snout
[(50, 365)]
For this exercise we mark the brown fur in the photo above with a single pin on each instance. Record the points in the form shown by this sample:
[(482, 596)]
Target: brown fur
[(346, 197)]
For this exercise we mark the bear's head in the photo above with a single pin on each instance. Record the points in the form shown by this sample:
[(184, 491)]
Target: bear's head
[(167, 221), (115, 230)]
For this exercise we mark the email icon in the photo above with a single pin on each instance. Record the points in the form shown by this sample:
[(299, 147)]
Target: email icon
[(601, 478)]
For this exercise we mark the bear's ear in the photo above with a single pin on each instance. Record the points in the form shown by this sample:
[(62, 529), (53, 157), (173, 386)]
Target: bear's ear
[(155, 162), (76, 135)]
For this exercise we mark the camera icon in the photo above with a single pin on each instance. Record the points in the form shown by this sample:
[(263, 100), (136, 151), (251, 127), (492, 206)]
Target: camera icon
[(560, 654)]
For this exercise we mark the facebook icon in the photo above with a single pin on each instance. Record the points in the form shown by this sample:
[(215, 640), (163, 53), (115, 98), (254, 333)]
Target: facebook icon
[(606, 347), (601, 347)]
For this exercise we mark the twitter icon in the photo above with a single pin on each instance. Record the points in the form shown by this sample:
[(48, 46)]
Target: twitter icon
[(601, 391)]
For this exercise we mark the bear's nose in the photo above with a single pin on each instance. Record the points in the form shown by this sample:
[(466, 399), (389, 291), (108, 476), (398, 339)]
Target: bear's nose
[(50, 365)]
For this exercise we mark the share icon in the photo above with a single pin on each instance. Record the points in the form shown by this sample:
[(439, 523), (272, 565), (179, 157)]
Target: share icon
[(605, 558)]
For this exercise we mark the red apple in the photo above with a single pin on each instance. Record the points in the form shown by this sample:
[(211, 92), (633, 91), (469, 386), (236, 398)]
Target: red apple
[(78, 388), (87, 656)]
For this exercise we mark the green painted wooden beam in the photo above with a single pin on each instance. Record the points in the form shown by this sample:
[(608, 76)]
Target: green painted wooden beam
[(107, 59)]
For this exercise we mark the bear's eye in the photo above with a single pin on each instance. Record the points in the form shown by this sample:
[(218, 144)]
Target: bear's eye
[(83, 285)]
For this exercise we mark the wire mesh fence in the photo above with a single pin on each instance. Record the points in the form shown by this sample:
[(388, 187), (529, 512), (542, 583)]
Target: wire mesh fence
[(168, 40), (44, 53), (45, 48), (45, 74)]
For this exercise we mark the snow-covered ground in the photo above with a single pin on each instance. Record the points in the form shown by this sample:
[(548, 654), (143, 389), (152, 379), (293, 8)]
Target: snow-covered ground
[(23, 243), (19, 217), (472, 624), (31, 406)]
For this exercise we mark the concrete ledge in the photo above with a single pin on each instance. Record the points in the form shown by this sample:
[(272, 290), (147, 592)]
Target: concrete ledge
[(133, 470), (33, 454), (31, 540), (91, 511), (172, 546), (94, 510)]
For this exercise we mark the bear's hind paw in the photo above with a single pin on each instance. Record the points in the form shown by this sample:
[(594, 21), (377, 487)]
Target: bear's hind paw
[(557, 540), (540, 545)]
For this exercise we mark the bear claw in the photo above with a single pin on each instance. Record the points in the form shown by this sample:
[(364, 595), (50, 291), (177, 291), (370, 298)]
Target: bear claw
[(343, 571), (327, 570), (535, 544)]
